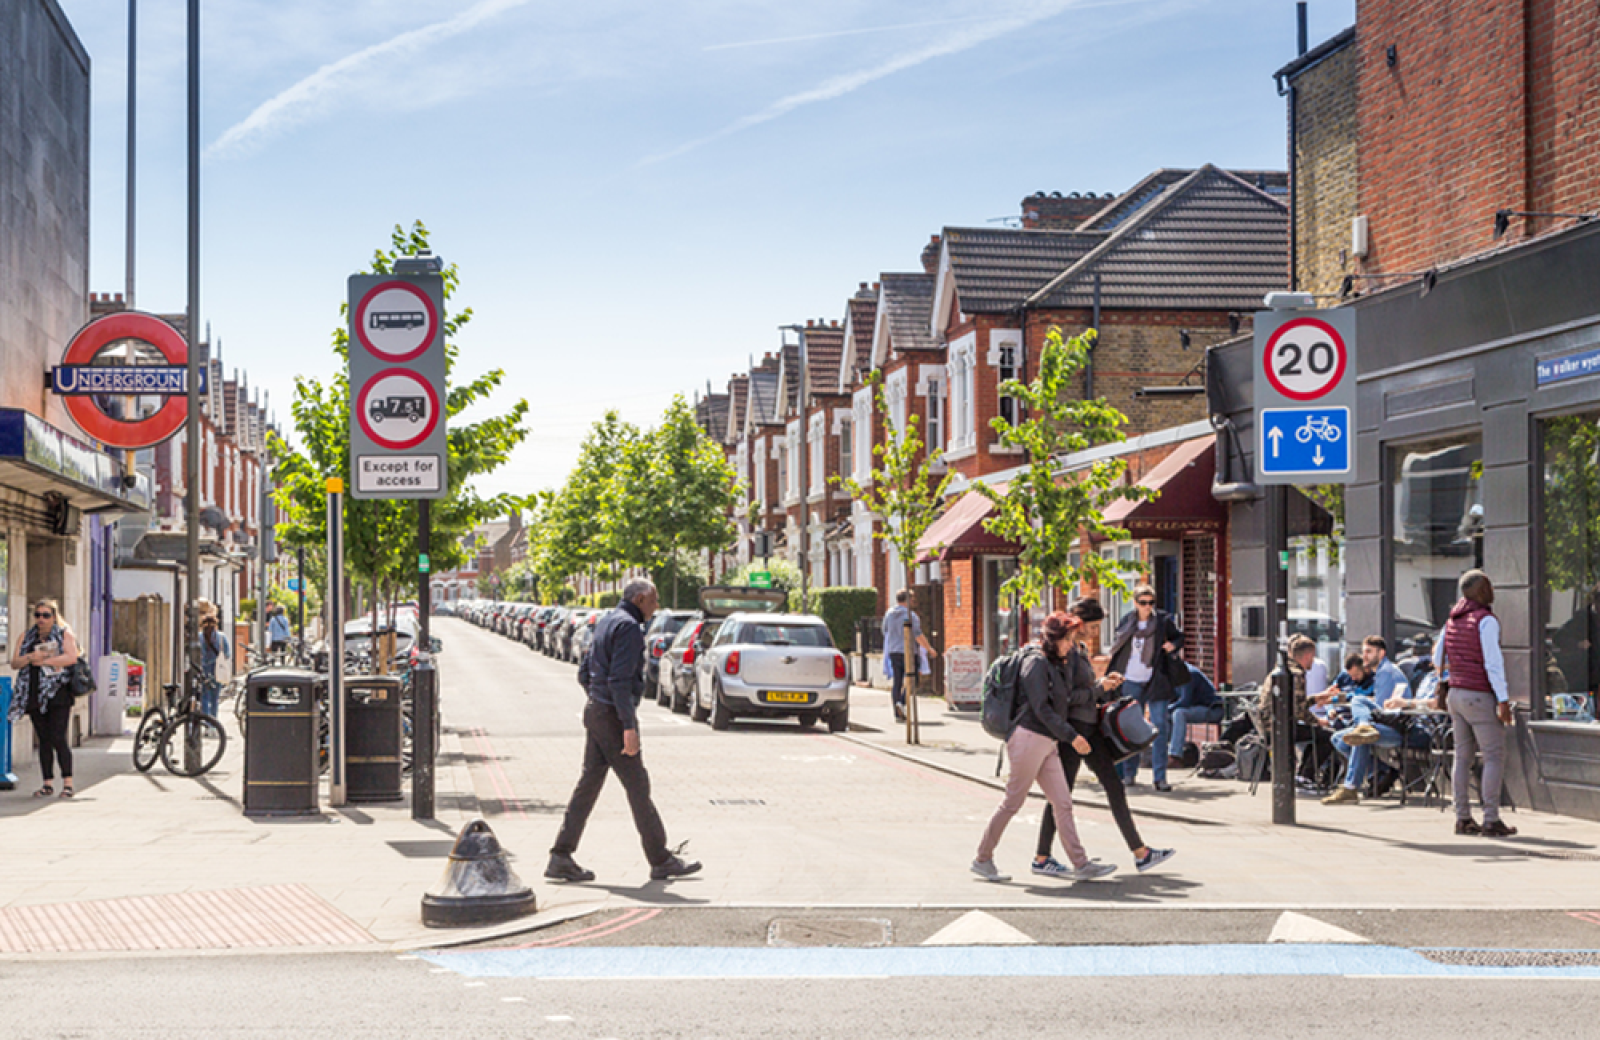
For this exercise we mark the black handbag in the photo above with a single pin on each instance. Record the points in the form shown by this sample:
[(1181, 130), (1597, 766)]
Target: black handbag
[(80, 679), (1174, 668)]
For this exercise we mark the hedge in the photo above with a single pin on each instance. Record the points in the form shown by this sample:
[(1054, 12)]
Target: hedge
[(840, 607)]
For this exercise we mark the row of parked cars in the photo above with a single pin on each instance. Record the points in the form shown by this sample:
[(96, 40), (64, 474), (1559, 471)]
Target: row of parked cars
[(738, 655)]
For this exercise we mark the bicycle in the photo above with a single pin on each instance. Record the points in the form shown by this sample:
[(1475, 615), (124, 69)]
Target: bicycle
[(188, 742)]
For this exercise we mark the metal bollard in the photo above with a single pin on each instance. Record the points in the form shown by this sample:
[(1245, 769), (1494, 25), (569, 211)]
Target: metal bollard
[(424, 711)]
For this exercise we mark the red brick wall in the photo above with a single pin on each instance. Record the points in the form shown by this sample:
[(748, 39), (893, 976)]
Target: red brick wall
[(1563, 120), (962, 623)]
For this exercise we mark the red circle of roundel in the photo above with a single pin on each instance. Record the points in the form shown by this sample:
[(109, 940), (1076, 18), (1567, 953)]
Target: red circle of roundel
[(361, 320), (366, 423), (94, 337), (1333, 337)]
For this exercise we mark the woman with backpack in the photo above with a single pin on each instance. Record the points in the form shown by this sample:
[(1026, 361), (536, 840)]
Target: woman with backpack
[(1040, 723), (1085, 693)]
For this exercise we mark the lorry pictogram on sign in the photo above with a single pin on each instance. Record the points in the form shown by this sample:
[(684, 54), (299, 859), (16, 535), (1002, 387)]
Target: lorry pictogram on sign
[(397, 409)]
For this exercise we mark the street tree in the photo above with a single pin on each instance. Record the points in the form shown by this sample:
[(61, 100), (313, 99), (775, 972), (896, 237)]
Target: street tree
[(1042, 510), (380, 533)]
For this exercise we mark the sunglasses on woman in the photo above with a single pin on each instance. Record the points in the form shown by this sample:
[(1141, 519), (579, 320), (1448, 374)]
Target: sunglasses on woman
[(1146, 602), (43, 614)]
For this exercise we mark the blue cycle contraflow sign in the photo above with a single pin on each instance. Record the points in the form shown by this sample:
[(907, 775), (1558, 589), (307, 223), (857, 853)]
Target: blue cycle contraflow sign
[(1304, 441)]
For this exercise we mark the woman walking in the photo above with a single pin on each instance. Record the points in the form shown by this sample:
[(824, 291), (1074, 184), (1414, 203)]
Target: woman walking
[(1139, 653), (44, 653), (1032, 747), (1479, 702), (213, 646), (1084, 693)]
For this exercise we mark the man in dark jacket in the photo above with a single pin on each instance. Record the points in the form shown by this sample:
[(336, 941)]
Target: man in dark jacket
[(1139, 653), (615, 669)]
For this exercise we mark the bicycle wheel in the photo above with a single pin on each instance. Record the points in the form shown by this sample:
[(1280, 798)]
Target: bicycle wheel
[(147, 741), (192, 739)]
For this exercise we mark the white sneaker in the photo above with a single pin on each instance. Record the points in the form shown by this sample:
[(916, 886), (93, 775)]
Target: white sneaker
[(986, 869), (1092, 870)]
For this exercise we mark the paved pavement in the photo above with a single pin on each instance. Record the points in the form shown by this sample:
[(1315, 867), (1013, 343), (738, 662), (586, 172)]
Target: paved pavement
[(781, 817)]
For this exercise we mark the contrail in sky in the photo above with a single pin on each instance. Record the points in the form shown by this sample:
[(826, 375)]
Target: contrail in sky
[(838, 86), (846, 32), (289, 104)]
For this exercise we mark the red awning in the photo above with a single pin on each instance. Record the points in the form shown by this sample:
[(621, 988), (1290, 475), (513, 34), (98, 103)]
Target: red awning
[(1183, 502), (960, 529)]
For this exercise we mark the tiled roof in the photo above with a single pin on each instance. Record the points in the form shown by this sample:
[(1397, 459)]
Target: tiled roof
[(1206, 241), (824, 351), (1273, 182), (764, 396), (863, 317), (738, 393), (908, 309), (995, 269), (711, 411), (789, 367)]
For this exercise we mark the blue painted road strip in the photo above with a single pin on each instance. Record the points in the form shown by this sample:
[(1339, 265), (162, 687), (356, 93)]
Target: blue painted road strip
[(654, 962)]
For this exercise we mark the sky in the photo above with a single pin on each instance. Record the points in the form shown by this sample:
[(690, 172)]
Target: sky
[(637, 194)]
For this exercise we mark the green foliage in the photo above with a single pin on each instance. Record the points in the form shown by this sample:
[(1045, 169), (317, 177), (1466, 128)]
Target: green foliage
[(1042, 511), (1572, 505), (841, 607), (785, 575), (903, 493), (380, 534)]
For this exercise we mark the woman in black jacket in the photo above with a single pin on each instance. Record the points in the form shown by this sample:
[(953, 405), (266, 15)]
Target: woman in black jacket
[(1032, 747), (1084, 694), (1146, 641)]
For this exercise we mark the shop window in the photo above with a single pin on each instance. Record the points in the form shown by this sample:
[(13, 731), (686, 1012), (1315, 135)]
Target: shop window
[(1436, 530), (1119, 604), (1316, 572), (1569, 546)]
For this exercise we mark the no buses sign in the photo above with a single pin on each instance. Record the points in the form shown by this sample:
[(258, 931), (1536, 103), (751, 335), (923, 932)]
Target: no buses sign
[(398, 442), (1305, 396)]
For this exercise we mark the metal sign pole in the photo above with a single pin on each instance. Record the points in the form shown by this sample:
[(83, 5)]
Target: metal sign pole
[(1283, 807), (191, 614), (424, 680), (335, 610)]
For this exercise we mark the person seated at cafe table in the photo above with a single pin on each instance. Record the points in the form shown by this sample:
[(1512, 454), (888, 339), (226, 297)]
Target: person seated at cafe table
[(1197, 704), (1357, 741)]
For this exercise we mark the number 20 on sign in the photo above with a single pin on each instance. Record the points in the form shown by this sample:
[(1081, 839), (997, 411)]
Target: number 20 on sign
[(1305, 396)]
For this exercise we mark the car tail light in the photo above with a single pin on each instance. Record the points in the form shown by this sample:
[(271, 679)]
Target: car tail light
[(731, 666), (688, 654), (656, 648), (838, 666)]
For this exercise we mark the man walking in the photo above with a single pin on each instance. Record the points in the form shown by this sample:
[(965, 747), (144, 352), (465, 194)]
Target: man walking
[(615, 682), (894, 647)]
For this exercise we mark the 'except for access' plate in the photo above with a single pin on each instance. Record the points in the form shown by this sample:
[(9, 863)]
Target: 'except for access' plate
[(398, 475)]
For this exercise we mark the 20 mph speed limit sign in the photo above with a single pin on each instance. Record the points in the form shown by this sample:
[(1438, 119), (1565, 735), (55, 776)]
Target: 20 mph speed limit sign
[(1305, 396)]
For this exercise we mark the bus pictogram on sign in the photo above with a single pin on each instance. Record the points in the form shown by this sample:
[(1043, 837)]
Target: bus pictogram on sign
[(395, 321)]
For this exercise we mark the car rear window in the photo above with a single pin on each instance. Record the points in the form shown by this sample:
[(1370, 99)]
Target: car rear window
[(785, 635)]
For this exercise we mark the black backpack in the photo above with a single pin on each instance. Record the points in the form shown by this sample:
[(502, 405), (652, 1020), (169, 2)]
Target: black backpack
[(1000, 686)]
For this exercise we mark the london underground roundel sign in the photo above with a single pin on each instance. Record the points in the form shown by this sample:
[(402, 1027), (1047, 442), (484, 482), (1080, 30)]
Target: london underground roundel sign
[(1305, 358), (85, 408)]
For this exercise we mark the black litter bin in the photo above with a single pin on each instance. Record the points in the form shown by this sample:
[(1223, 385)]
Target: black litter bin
[(281, 773), (373, 729)]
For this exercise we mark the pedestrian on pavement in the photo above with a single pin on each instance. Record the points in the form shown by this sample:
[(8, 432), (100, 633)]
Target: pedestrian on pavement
[(1197, 704), (1387, 678), (1479, 702), (277, 629), (213, 648), (43, 693), (1139, 652), (1085, 693), (1032, 747), (615, 684), (894, 647), (1308, 729)]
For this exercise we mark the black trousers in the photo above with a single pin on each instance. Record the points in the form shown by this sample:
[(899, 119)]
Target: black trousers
[(1102, 763), (51, 727), (601, 755)]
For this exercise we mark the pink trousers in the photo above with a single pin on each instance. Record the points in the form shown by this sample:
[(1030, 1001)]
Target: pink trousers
[(1034, 757)]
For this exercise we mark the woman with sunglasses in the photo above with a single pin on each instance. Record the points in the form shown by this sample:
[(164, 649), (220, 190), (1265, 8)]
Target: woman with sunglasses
[(44, 653), (1139, 653)]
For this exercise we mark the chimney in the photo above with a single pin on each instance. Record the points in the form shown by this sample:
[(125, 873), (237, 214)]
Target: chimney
[(930, 256), (1057, 212), (811, 323)]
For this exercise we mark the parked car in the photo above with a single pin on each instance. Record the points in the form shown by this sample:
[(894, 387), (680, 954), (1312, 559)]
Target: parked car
[(675, 683), (552, 631), (583, 635), (658, 635), (772, 666), (569, 631)]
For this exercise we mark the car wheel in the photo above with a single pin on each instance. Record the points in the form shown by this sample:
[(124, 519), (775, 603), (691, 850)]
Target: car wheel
[(839, 720), (807, 721), (679, 702), (697, 711), (720, 715), (663, 697)]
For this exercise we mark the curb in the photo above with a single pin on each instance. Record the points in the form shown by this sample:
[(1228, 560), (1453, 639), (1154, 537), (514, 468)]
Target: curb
[(1154, 814)]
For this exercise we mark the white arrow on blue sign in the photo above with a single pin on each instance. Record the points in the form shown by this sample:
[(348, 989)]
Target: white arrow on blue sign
[(1302, 441)]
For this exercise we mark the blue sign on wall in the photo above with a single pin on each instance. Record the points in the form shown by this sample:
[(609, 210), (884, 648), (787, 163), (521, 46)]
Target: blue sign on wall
[(1573, 366), (1304, 441)]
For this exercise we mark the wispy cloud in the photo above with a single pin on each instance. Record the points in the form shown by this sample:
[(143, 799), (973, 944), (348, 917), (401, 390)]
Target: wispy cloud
[(301, 99), (846, 32), (838, 86)]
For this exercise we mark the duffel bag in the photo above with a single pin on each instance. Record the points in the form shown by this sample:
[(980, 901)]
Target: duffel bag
[(1124, 726)]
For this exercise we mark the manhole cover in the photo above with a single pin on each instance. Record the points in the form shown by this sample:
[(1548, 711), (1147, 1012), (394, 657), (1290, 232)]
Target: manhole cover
[(1515, 958), (829, 931)]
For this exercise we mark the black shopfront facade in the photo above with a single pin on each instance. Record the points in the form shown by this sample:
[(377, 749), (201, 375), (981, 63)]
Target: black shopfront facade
[(1477, 445)]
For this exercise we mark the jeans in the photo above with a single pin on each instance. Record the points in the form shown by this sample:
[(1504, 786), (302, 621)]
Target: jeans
[(897, 670), (210, 695), (603, 754), (1359, 756), (1160, 715), (1186, 716), (1034, 756)]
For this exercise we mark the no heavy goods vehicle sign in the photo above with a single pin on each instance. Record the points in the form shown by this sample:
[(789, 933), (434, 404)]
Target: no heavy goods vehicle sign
[(398, 441), (1305, 396)]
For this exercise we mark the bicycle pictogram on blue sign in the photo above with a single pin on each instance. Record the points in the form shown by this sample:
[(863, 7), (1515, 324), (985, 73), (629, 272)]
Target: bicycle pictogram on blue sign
[(1304, 441)]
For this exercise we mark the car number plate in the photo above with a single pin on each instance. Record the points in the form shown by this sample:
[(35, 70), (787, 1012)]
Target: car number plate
[(787, 697)]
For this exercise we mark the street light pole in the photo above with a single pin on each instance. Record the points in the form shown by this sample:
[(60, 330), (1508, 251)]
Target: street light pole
[(191, 684)]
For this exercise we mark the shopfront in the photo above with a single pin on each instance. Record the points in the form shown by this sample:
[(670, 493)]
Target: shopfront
[(1477, 445)]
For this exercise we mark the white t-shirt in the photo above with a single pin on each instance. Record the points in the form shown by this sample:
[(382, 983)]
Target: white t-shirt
[(1138, 671)]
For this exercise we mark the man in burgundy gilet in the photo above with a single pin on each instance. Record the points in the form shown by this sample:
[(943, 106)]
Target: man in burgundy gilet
[(1479, 702)]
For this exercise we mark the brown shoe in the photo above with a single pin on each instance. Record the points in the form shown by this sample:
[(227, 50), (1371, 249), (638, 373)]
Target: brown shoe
[(1175, 762), (1341, 795), (1468, 826), (1496, 829)]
